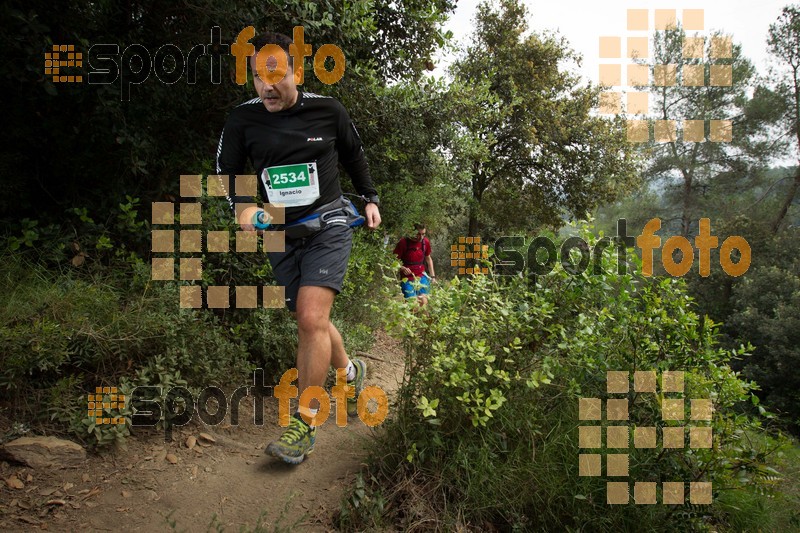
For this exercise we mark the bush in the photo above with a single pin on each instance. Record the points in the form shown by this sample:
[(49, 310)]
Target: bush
[(62, 336), (485, 429)]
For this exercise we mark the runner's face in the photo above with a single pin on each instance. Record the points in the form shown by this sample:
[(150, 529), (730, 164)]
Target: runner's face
[(276, 97), (419, 234)]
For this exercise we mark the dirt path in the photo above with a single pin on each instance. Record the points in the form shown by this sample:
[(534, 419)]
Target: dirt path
[(226, 484)]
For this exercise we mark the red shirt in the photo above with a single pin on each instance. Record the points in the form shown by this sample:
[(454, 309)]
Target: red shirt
[(412, 254)]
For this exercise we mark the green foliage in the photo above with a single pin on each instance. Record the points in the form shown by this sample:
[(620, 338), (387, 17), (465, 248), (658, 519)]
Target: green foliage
[(63, 335), (783, 43), (101, 145), (363, 503), (691, 177), (532, 149), (767, 311), (363, 280), (485, 426)]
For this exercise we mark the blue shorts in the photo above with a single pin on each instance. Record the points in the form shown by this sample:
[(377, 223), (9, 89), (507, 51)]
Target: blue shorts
[(416, 287)]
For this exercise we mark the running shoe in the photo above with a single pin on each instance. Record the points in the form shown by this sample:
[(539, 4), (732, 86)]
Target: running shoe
[(296, 442), (358, 383)]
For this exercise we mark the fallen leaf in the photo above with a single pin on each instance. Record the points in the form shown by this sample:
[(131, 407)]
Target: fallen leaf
[(56, 502), (29, 520), (68, 486), (79, 259), (29, 478), (47, 492), (85, 478), (191, 441), (206, 436), (125, 494), (170, 457), (75, 505), (23, 505), (15, 483), (95, 491)]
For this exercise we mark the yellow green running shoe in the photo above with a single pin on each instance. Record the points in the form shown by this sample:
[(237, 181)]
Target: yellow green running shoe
[(296, 442), (358, 383)]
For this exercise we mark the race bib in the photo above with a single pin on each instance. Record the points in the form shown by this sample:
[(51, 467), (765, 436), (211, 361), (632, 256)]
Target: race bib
[(291, 185)]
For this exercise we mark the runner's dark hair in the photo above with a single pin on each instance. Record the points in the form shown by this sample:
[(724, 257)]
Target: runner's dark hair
[(272, 37)]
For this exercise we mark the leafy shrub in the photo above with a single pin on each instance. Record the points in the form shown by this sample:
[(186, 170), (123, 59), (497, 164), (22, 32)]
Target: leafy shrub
[(485, 429), (61, 336)]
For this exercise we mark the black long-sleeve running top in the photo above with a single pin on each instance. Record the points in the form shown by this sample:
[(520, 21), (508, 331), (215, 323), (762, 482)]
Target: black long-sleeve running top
[(294, 152)]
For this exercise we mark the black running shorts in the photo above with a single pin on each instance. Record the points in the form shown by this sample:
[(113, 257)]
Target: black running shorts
[(318, 261)]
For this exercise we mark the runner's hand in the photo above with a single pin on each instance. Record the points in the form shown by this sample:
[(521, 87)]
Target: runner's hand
[(246, 219), (373, 216)]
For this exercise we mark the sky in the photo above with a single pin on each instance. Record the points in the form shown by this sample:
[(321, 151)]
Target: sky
[(583, 22)]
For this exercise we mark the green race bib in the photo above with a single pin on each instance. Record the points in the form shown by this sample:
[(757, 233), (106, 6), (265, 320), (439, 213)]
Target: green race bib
[(292, 185)]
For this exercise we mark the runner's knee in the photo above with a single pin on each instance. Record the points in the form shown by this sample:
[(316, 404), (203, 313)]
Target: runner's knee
[(311, 320)]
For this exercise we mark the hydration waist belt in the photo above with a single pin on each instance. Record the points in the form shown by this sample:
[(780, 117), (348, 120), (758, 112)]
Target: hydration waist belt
[(339, 212)]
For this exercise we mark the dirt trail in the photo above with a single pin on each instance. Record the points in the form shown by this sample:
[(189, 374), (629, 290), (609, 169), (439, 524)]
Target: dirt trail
[(141, 490)]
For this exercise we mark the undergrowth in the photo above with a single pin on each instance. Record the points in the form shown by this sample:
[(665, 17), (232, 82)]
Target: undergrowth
[(485, 430)]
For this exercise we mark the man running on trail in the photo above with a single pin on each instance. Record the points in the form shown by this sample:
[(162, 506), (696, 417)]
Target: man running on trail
[(295, 140), (415, 253)]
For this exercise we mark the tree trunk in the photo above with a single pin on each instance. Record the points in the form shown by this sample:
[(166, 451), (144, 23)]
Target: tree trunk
[(478, 187), (686, 221), (796, 183), (473, 221), (787, 203)]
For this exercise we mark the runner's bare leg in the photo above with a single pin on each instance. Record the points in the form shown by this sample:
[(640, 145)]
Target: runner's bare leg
[(315, 339)]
